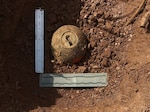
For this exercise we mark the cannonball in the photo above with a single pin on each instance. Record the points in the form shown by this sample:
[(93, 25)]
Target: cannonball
[(68, 44)]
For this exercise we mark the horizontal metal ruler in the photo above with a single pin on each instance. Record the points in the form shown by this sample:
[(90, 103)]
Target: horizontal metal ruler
[(73, 80)]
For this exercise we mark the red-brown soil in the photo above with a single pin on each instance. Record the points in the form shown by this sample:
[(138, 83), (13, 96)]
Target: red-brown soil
[(123, 52)]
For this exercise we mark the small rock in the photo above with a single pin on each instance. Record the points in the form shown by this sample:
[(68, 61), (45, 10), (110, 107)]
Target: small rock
[(131, 35), (84, 21), (77, 91), (101, 23), (106, 53), (52, 61), (72, 96), (129, 40), (98, 14), (116, 44), (119, 41), (100, 20), (81, 69), (108, 26), (118, 68), (116, 31), (106, 15), (89, 46), (92, 20), (98, 89), (105, 62), (65, 108), (91, 30), (86, 15), (92, 43), (74, 67), (119, 12), (104, 44), (95, 67)]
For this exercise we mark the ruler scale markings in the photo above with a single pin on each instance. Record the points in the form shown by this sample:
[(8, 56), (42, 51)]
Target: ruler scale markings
[(39, 41)]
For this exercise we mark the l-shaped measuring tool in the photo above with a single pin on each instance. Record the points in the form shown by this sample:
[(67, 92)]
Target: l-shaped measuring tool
[(63, 79)]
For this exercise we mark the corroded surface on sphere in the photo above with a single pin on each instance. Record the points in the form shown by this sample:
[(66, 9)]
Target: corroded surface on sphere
[(68, 44)]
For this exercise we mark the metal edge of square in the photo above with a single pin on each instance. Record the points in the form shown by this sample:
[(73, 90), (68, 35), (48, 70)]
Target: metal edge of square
[(73, 80)]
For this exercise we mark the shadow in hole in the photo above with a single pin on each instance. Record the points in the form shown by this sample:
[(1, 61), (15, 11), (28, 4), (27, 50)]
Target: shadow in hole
[(24, 93), (148, 28)]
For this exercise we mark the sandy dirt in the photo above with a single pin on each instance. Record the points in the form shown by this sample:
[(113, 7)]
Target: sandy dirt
[(123, 52)]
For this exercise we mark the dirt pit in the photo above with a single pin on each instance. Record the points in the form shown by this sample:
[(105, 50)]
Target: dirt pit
[(120, 50)]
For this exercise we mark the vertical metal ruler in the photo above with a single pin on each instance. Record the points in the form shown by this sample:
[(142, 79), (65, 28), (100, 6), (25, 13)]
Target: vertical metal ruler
[(39, 40)]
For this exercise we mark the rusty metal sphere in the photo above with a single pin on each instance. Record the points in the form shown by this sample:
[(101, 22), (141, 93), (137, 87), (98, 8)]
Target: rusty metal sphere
[(68, 44)]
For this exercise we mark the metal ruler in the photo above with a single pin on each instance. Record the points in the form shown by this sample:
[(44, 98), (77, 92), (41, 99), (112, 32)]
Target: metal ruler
[(73, 80), (39, 41)]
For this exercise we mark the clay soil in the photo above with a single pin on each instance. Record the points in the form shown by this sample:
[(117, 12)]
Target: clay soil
[(122, 51)]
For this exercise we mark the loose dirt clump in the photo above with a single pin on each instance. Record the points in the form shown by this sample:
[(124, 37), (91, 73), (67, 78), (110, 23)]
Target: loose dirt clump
[(120, 50)]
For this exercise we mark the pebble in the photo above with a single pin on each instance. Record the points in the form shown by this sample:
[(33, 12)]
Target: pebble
[(77, 91), (86, 15), (72, 96), (108, 26), (91, 30), (95, 67), (92, 20), (116, 44), (89, 46), (118, 68), (131, 35), (65, 108), (100, 20), (52, 61), (93, 43), (105, 62), (98, 14), (106, 53), (104, 43), (129, 40), (106, 15), (97, 89), (81, 69)]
